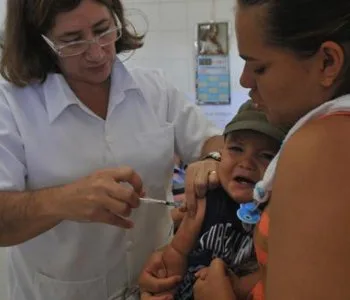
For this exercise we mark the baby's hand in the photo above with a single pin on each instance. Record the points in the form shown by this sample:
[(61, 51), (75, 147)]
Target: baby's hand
[(202, 273)]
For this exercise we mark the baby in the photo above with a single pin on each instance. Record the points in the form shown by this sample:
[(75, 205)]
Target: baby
[(216, 231)]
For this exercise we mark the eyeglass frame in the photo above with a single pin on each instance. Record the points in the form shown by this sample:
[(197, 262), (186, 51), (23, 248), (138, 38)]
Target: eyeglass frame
[(58, 48)]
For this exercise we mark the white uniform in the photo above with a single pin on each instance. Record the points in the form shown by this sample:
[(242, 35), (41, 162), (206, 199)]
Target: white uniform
[(48, 138)]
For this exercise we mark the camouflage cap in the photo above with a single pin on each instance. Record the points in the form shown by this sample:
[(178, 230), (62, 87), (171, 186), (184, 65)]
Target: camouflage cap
[(250, 118)]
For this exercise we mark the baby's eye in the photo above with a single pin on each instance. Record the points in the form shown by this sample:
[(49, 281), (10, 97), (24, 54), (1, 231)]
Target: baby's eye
[(268, 156), (236, 149)]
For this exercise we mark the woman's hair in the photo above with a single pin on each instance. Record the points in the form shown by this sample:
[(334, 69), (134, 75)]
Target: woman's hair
[(26, 57), (303, 25)]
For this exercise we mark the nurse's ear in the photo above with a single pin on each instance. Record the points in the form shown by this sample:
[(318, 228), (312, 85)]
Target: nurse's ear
[(332, 61)]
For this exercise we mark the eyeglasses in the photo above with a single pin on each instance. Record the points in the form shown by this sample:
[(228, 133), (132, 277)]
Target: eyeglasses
[(75, 48)]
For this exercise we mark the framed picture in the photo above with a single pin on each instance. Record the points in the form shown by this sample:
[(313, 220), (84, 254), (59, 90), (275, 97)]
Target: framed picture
[(213, 38), (213, 81)]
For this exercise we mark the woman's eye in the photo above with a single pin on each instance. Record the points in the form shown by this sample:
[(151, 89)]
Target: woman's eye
[(77, 39), (101, 31), (260, 70)]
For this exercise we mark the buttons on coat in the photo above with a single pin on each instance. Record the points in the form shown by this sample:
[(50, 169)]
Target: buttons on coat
[(109, 139), (129, 245)]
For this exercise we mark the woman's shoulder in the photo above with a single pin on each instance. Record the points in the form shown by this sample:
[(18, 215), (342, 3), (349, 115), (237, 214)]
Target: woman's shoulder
[(328, 130), (12, 92), (27, 98), (149, 77), (8, 88), (319, 148)]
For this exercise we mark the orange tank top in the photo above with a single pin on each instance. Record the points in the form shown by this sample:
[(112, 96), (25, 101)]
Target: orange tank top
[(261, 249), (261, 238)]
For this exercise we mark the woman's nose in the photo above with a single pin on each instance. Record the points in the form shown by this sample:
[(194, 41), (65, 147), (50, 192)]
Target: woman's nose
[(94, 52), (247, 80)]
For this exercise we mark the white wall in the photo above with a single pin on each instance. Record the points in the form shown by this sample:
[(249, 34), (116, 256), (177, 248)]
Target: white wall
[(169, 44), (2, 11)]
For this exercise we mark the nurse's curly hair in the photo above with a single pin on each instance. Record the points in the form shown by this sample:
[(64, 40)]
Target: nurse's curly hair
[(26, 58)]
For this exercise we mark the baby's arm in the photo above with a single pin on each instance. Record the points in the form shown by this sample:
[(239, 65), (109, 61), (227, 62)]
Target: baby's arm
[(175, 254)]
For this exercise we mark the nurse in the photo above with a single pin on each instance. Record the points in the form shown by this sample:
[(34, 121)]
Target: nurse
[(71, 116)]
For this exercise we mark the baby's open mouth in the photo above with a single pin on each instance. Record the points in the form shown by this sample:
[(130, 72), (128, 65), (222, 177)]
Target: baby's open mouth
[(245, 181)]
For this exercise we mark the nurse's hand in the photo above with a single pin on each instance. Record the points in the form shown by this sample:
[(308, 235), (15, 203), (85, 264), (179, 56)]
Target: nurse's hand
[(106, 196), (154, 279), (200, 177)]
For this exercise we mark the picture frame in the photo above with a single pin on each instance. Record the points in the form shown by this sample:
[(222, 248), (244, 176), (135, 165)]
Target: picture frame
[(213, 38), (212, 61)]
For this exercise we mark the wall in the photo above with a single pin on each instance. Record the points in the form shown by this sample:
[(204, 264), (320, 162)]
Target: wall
[(169, 44), (2, 11)]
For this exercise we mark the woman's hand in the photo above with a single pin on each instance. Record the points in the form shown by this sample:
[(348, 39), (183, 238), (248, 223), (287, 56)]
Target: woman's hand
[(214, 283), (162, 296), (106, 196), (200, 177), (154, 278)]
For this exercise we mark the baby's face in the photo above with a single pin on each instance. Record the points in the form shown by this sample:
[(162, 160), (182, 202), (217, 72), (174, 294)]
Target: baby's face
[(244, 159)]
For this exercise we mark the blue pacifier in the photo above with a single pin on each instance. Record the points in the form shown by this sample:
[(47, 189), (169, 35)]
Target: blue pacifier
[(249, 213)]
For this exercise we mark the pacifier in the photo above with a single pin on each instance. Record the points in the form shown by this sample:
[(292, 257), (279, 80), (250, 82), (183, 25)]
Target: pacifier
[(249, 213)]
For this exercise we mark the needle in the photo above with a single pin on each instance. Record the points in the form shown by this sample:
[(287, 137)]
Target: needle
[(157, 201)]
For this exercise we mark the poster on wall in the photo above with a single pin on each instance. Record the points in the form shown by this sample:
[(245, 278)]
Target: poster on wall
[(212, 64)]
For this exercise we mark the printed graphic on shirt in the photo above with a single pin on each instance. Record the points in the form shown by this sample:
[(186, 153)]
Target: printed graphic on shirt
[(223, 241)]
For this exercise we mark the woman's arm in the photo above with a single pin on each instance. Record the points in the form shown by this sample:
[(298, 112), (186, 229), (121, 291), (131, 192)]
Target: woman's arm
[(24, 215), (98, 197), (243, 286), (309, 241), (216, 284)]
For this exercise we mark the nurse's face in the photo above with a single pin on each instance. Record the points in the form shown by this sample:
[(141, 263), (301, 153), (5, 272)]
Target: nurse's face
[(88, 20)]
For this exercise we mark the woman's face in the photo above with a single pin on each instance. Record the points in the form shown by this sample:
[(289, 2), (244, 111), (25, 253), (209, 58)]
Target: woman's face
[(283, 85), (88, 20), (213, 31)]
